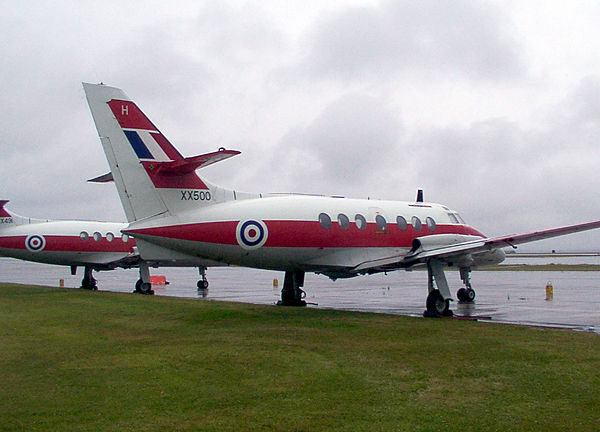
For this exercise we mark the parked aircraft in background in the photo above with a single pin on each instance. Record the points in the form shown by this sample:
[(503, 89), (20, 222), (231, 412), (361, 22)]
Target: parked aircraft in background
[(175, 214), (91, 245)]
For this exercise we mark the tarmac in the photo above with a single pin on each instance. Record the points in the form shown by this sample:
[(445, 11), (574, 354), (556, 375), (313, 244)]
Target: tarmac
[(516, 297)]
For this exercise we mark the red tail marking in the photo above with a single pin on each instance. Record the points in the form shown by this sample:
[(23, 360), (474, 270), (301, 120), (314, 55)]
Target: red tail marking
[(130, 116), (165, 180), (3, 212)]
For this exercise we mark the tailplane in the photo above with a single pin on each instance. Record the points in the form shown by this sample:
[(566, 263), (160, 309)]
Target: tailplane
[(153, 179)]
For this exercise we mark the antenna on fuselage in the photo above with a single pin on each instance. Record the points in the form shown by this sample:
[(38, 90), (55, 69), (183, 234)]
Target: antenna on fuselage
[(419, 195)]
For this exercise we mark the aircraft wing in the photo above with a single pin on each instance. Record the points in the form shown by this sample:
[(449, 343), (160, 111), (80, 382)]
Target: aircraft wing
[(473, 247)]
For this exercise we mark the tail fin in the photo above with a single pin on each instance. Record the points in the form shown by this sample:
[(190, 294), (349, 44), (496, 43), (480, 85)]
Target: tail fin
[(151, 176), (8, 219)]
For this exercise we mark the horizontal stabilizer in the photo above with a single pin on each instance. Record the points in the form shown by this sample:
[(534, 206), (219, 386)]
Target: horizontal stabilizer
[(104, 178), (190, 164)]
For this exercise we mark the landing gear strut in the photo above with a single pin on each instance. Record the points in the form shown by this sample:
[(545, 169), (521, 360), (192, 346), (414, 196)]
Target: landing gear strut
[(438, 300), (88, 282), (292, 293), (202, 283), (143, 285), (466, 294)]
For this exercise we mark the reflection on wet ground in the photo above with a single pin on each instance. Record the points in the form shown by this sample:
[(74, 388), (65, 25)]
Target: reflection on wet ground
[(509, 297)]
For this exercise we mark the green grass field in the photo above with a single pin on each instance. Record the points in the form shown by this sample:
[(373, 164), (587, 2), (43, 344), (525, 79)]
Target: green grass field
[(73, 360)]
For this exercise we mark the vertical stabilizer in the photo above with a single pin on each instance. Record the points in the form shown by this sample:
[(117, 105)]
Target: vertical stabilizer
[(152, 177), (122, 146), (8, 219)]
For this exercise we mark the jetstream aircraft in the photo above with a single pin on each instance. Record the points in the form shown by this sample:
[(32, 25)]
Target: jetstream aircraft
[(92, 245), (175, 214)]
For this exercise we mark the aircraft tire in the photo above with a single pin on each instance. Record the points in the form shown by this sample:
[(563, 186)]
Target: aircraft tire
[(461, 295), (436, 303), (146, 288), (202, 284), (470, 294)]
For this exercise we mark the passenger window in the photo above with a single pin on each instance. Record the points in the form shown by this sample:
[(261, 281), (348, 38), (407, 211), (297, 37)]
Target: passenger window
[(125, 238), (381, 222), (325, 220), (110, 236), (97, 236), (84, 235), (360, 221), (343, 221), (430, 224), (416, 223), (401, 222)]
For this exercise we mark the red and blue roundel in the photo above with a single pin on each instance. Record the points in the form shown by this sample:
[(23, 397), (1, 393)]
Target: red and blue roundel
[(251, 234), (35, 243)]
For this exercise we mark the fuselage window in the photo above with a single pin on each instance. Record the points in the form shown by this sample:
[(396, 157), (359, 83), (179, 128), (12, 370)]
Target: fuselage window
[(381, 222), (84, 235), (430, 223), (343, 221), (125, 238), (453, 218), (325, 220), (416, 223), (110, 236), (97, 236), (360, 221), (401, 222)]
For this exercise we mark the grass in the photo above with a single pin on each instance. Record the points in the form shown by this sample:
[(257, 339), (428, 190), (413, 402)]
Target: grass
[(90, 361)]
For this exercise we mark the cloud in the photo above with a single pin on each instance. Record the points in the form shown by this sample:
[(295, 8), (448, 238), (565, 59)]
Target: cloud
[(345, 148), (430, 37)]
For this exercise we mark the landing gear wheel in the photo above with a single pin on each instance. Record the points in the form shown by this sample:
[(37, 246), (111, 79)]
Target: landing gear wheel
[(470, 294), (143, 287), (202, 284), (437, 305), (461, 295)]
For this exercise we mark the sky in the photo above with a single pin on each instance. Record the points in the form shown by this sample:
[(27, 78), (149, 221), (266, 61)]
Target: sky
[(491, 107)]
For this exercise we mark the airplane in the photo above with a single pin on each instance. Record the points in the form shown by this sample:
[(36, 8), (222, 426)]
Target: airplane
[(91, 245), (174, 213)]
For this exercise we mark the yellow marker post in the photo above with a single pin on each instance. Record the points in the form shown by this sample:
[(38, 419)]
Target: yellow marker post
[(549, 291)]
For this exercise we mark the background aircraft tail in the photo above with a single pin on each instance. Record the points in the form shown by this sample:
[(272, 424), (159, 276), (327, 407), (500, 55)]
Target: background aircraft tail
[(153, 179), (8, 219)]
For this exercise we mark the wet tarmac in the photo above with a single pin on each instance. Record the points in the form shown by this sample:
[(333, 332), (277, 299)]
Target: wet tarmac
[(517, 297)]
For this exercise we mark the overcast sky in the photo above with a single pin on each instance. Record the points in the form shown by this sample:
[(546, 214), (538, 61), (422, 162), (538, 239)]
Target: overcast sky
[(492, 107)]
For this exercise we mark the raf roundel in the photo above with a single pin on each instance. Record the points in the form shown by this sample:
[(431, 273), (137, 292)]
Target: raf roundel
[(251, 234), (35, 243)]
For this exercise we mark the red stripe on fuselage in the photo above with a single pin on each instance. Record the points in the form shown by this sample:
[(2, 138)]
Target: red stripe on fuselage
[(70, 244), (305, 234)]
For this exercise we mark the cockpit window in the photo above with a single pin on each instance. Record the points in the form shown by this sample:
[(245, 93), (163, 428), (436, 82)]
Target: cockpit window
[(453, 218)]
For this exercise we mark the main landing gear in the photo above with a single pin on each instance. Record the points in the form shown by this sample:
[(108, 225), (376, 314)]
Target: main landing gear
[(144, 285), (438, 300), (88, 282), (292, 293)]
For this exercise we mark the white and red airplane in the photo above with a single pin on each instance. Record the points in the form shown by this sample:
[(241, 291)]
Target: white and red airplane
[(91, 245), (175, 214)]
